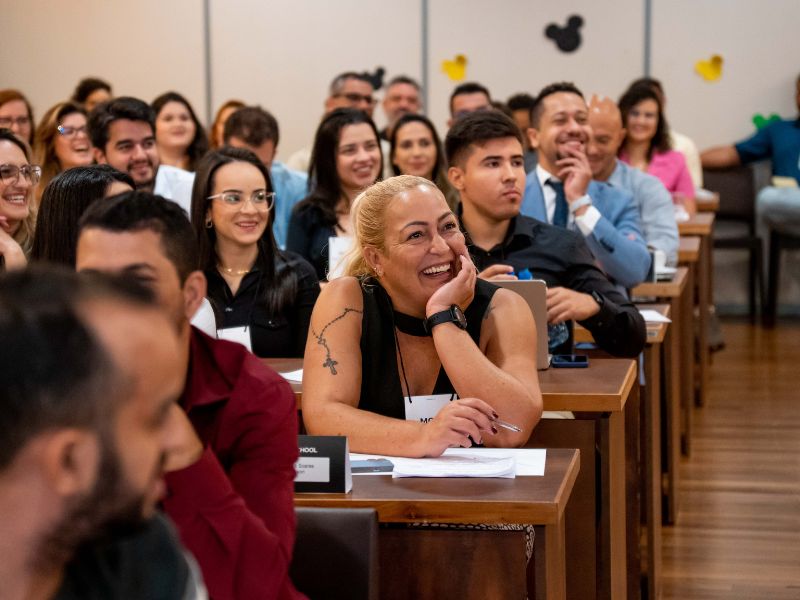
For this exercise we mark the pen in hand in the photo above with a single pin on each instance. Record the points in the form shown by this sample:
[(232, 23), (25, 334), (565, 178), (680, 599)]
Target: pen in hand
[(506, 425)]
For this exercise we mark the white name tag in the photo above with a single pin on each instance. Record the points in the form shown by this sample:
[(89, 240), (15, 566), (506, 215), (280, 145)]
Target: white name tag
[(338, 246), (312, 470), (240, 335), (424, 408)]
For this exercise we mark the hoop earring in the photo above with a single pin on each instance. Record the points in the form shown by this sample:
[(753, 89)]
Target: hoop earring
[(209, 224)]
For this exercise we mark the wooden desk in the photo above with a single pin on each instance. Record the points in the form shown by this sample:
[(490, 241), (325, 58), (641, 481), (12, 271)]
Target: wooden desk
[(710, 204), (439, 563), (678, 382), (649, 472), (689, 249), (702, 224), (600, 396)]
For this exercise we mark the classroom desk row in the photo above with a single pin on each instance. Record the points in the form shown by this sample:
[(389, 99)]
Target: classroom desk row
[(595, 521), (611, 479)]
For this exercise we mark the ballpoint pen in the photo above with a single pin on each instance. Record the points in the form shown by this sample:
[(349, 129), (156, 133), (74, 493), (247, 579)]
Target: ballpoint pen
[(506, 425)]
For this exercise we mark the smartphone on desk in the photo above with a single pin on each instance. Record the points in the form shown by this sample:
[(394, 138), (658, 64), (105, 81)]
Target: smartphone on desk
[(569, 361)]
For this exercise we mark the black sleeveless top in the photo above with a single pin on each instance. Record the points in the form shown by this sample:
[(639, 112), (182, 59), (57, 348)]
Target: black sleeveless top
[(381, 391)]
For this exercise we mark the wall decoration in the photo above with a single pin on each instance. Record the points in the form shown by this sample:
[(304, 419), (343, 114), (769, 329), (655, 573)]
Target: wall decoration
[(710, 69), (376, 78), (567, 38), (760, 121), (455, 69)]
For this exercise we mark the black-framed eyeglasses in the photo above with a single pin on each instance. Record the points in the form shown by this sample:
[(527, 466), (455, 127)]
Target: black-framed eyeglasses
[(68, 132), (259, 198), (7, 122), (356, 98), (9, 174)]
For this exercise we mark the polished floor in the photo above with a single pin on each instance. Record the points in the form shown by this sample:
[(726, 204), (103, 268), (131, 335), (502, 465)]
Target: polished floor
[(738, 531)]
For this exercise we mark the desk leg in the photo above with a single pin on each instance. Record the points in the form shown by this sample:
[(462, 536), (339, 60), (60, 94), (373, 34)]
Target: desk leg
[(704, 304), (612, 526), (651, 466), (687, 355), (581, 512), (671, 412), (549, 562), (634, 488)]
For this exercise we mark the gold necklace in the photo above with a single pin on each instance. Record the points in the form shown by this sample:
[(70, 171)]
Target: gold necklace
[(236, 272)]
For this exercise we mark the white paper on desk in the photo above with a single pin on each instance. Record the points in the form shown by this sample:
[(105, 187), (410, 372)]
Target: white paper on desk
[(295, 376), (653, 316), (474, 464), (527, 461)]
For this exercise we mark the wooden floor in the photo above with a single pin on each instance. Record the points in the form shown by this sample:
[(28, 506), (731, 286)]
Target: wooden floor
[(738, 532)]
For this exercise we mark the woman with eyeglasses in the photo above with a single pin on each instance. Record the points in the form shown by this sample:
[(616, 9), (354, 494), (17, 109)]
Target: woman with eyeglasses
[(346, 159), (61, 142), (16, 114), (261, 296), (180, 137), (17, 217), (417, 150)]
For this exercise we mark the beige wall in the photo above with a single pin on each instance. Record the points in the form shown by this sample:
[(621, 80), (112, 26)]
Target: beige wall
[(283, 53)]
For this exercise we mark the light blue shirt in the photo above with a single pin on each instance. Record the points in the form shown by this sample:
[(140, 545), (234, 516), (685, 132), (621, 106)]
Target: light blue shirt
[(655, 207), (290, 187)]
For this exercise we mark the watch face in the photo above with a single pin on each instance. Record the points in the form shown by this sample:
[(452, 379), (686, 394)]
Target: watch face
[(459, 315)]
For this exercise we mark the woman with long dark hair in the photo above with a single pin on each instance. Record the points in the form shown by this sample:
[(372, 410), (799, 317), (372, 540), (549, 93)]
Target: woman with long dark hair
[(647, 144), (417, 150), (261, 296), (180, 137), (64, 200), (346, 159)]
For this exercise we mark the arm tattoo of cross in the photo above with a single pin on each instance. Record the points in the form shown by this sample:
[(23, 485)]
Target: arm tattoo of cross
[(330, 363)]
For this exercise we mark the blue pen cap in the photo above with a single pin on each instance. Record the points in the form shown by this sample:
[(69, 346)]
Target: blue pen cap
[(525, 275)]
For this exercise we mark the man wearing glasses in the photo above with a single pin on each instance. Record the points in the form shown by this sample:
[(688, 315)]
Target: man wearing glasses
[(347, 90)]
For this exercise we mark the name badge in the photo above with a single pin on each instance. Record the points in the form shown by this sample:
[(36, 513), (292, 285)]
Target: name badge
[(323, 465), (338, 246), (424, 408), (240, 335)]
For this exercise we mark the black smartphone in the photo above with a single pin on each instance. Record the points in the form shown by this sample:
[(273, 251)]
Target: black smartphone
[(569, 361)]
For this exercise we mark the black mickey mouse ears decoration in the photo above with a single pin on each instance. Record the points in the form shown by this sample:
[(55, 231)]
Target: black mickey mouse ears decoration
[(567, 38), (376, 78)]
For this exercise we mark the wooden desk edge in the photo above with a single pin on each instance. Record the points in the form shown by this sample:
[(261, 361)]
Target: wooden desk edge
[(550, 513)]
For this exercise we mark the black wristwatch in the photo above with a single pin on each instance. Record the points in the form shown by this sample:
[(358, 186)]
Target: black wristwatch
[(452, 315), (598, 298)]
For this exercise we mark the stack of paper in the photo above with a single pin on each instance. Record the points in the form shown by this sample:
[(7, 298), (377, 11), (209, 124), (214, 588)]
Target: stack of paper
[(653, 316), (459, 462), (473, 465)]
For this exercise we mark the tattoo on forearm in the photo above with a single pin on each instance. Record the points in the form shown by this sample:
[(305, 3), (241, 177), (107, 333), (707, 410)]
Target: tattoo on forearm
[(321, 341)]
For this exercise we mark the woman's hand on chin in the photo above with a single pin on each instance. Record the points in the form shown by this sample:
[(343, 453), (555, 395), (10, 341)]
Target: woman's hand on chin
[(10, 250), (459, 290), (458, 425)]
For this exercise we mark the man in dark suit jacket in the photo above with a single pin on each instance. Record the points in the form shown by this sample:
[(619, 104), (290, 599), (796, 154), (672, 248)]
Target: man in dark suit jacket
[(560, 190)]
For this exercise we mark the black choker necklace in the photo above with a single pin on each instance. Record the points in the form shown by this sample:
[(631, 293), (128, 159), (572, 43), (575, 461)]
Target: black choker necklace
[(410, 325)]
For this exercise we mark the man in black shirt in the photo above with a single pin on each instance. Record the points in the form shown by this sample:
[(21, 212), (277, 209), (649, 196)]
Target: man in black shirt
[(88, 380), (485, 154)]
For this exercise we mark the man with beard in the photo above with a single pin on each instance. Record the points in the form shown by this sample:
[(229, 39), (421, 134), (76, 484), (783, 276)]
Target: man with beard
[(233, 503), (560, 190), (88, 380), (123, 135)]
